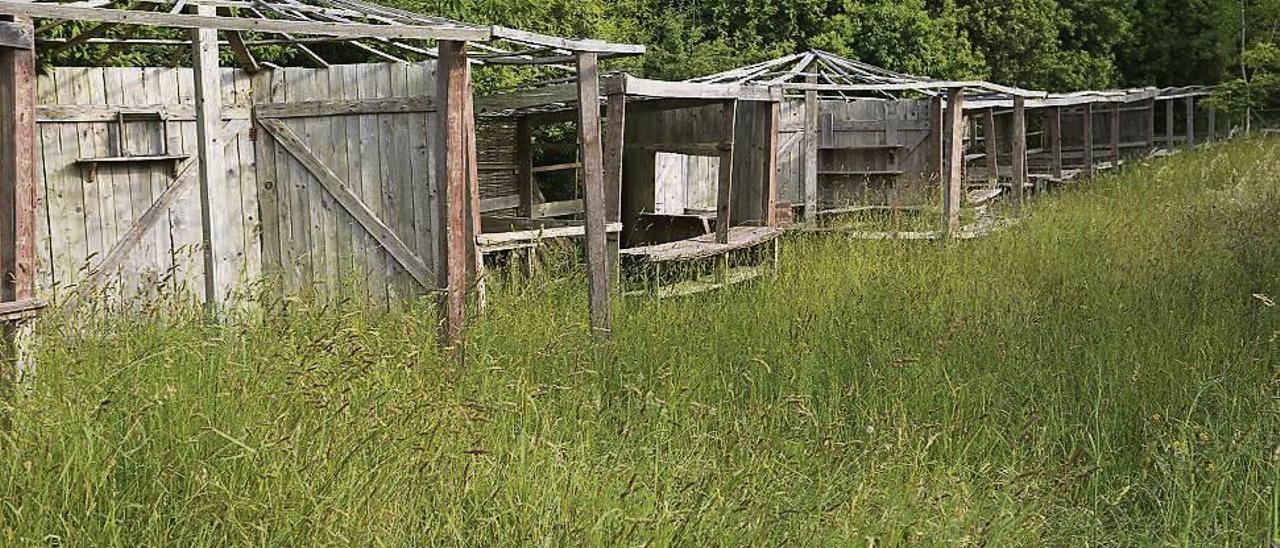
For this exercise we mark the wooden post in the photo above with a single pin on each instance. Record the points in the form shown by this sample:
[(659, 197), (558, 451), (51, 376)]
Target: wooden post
[(1088, 140), (811, 137), (1212, 134), (769, 194), (475, 257), (595, 198), (214, 200), (990, 139), (1115, 135), (614, 151), (1191, 121), (1019, 162), (17, 201), (1149, 136), (1168, 124), (724, 190), (1053, 125), (451, 178), (954, 179), (937, 155), (524, 166)]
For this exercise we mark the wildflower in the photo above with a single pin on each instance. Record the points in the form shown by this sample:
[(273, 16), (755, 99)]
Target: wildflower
[(1155, 417)]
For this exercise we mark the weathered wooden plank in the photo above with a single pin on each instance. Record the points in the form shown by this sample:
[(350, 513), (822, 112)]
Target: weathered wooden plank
[(1053, 125), (769, 192), (614, 150), (724, 185), (990, 139), (110, 112), (451, 268), (68, 226), (1087, 128), (302, 243), (595, 197), (424, 169), (1191, 121), (324, 210), (208, 22), (17, 176), (211, 147), (290, 141), (371, 181), (346, 107), (1019, 152), (524, 167), (1114, 141), (1168, 124), (810, 155), (249, 259), (15, 35), (268, 187), (953, 182)]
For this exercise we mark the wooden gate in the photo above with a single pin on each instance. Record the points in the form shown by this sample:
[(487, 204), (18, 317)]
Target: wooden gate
[(346, 176)]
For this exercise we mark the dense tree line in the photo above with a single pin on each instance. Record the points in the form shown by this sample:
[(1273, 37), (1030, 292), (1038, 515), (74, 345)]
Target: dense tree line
[(1044, 44)]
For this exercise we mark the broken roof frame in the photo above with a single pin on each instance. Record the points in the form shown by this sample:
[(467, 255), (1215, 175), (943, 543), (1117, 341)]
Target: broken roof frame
[(375, 29), (837, 77), (557, 96)]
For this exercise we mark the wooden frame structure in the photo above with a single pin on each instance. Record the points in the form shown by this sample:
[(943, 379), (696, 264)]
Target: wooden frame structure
[(386, 33), (731, 124)]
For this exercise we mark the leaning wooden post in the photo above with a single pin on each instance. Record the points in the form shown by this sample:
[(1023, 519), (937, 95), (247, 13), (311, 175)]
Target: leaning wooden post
[(524, 167), (724, 188), (954, 179), (212, 166), (17, 204), (1115, 135), (1191, 121), (1088, 140), (811, 138), (992, 143), (595, 199), (614, 152), (451, 178), (1053, 123), (1019, 160)]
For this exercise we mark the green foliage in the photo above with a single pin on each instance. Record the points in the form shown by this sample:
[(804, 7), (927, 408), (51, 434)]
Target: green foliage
[(1108, 369), (1260, 90)]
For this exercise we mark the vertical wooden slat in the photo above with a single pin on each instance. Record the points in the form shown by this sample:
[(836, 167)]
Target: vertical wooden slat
[(595, 199), (1088, 140), (810, 168), (1211, 134), (1019, 152), (1168, 124), (1115, 135), (724, 188), (989, 138), (475, 259), (937, 157), (614, 149), (769, 194), (1149, 125), (209, 146), (954, 179), (524, 166), (1053, 125), (268, 189), (1191, 121), (451, 266)]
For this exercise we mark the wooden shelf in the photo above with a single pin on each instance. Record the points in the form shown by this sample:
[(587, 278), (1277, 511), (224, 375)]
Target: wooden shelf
[(861, 147), (91, 164), (883, 173)]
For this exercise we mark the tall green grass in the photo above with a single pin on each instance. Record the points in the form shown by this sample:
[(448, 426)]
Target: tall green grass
[(1107, 372)]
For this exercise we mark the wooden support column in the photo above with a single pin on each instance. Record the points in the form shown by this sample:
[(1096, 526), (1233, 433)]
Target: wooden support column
[(17, 202), (1168, 124), (1191, 121), (724, 189), (992, 142), (214, 198), (614, 151), (451, 180), (1053, 125), (1088, 139), (1019, 160), (769, 194), (524, 166), (595, 198), (811, 137), (954, 179), (1149, 133), (1115, 135), (475, 257)]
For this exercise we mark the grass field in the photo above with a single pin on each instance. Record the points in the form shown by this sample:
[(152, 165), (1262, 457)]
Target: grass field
[(1106, 373)]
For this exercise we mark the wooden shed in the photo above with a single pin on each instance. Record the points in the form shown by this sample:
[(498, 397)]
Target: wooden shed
[(206, 177)]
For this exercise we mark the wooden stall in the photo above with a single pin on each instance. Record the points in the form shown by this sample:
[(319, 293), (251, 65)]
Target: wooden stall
[(665, 145), (200, 179)]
